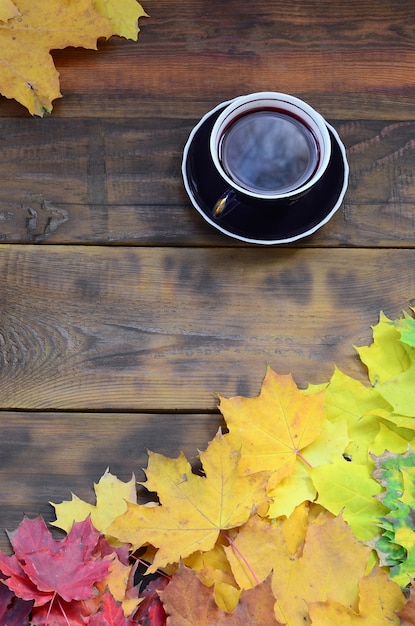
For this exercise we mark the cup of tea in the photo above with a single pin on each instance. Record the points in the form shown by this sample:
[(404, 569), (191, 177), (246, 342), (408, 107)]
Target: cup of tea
[(268, 146)]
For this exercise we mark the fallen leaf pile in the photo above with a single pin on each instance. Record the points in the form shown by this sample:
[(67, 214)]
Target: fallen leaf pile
[(301, 512), (30, 29)]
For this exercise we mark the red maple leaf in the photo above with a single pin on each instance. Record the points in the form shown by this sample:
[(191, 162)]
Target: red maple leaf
[(45, 569), (110, 614)]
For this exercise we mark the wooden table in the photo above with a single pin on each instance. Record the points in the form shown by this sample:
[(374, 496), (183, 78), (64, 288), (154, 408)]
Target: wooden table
[(123, 314)]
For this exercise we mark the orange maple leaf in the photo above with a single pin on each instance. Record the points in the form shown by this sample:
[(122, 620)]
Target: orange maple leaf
[(272, 430), (187, 601)]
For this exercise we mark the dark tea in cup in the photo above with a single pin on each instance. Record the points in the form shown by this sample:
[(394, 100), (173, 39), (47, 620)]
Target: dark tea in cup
[(268, 146), (267, 151)]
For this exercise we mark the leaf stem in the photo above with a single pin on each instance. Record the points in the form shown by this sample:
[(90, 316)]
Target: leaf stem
[(300, 456), (63, 613), (239, 553)]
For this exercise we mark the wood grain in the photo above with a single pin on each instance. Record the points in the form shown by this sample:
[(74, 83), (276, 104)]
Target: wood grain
[(45, 457), (123, 314), (110, 181), (354, 59), (169, 328)]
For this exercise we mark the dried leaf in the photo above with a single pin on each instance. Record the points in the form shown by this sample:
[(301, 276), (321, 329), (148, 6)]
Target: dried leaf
[(349, 488), (193, 509), (112, 496), (273, 429), (379, 601), (110, 614), (31, 78), (8, 10), (123, 16), (329, 565), (187, 601), (42, 567)]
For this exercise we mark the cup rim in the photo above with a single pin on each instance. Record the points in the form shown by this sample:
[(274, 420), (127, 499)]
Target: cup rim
[(292, 101)]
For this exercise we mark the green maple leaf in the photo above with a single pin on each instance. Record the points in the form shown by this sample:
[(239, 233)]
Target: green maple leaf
[(406, 328), (396, 546), (348, 488)]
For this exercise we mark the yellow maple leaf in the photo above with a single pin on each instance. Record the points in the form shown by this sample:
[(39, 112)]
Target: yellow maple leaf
[(27, 72), (273, 429), (330, 565), (112, 496), (379, 600), (8, 10), (193, 509), (123, 15)]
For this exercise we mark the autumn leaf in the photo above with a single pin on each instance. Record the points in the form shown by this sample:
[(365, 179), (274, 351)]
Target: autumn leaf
[(193, 509), (187, 601), (213, 570), (387, 356), (349, 488), (379, 601), (8, 10), (112, 496), (273, 429), (110, 614), (406, 328), (44, 569), (329, 566), (407, 614), (396, 545), (123, 16), (27, 71)]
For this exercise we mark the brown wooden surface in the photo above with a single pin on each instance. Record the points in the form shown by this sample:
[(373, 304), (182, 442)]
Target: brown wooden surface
[(123, 314)]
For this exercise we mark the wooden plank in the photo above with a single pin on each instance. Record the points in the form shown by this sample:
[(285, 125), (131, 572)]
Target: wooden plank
[(356, 58), (119, 181), (169, 328), (44, 457)]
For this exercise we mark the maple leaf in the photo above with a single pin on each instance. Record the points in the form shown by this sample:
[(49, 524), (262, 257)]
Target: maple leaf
[(123, 16), (8, 10), (396, 546), (386, 357), (193, 509), (349, 488), (406, 328), (112, 496), (407, 614), (42, 568), (13, 610), (328, 566), (273, 429), (110, 614), (31, 78), (187, 601), (391, 363), (379, 601)]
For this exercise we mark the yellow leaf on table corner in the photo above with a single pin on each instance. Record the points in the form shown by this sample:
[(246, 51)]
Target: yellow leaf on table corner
[(112, 496), (123, 15), (8, 10), (27, 71)]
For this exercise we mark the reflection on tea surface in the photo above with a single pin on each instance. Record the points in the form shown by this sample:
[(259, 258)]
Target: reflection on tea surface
[(268, 152)]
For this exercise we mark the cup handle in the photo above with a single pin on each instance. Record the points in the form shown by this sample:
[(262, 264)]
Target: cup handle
[(225, 204)]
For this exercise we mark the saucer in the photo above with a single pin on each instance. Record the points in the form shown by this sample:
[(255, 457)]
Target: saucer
[(258, 222)]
